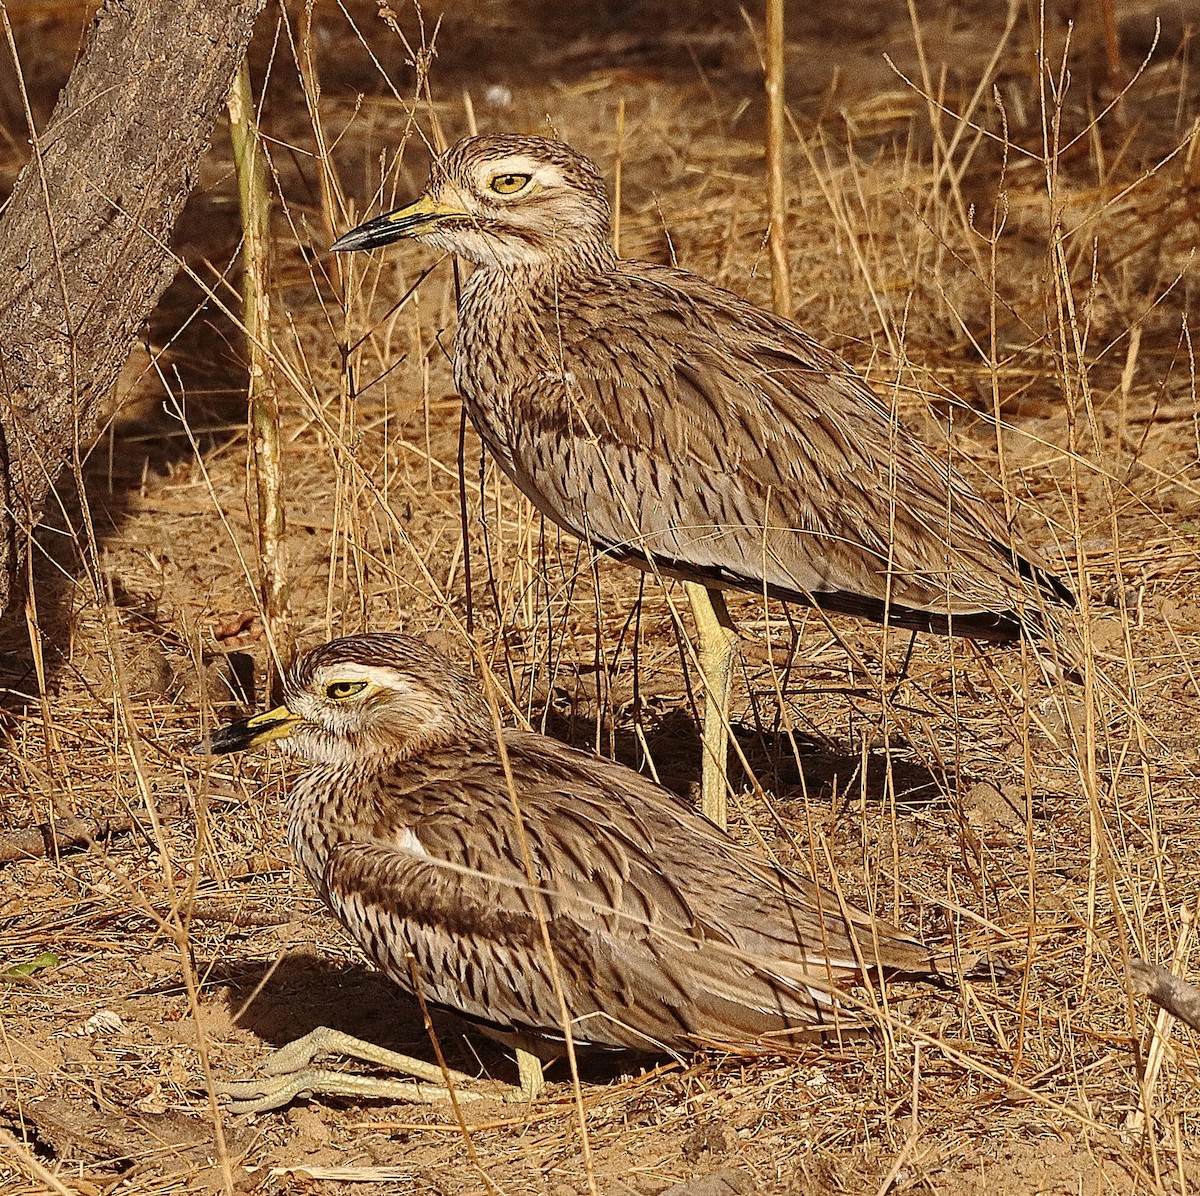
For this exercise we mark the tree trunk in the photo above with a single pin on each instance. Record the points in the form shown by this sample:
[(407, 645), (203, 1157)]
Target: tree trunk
[(84, 240)]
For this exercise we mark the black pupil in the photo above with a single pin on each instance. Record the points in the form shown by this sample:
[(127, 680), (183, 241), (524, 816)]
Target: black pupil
[(509, 180)]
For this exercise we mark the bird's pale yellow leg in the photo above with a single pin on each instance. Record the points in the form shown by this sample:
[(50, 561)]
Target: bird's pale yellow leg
[(717, 642), (529, 1071)]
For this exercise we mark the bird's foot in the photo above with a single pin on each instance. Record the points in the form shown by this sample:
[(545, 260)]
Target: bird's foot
[(289, 1075)]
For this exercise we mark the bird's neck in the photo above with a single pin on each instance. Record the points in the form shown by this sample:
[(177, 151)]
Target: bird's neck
[(550, 275)]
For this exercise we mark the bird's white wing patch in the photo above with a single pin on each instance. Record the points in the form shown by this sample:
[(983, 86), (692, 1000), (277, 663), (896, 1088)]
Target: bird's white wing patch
[(407, 840)]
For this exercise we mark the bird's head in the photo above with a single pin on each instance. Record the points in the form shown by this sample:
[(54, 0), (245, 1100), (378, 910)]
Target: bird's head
[(366, 700), (503, 201)]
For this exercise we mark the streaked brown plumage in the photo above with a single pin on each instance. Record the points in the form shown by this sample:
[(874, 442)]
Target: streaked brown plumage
[(678, 427), (666, 932), (669, 421)]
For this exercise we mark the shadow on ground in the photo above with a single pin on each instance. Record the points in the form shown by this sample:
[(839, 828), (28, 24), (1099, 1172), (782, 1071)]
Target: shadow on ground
[(307, 991), (789, 765)]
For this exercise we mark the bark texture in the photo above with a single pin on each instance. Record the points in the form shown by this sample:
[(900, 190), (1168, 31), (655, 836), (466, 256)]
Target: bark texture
[(84, 239)]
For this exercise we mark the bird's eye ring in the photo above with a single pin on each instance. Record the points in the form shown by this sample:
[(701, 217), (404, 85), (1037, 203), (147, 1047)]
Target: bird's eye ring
[(340, 690), (508, 184)]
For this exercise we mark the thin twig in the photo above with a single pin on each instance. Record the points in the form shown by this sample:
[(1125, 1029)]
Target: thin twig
[(1177, 996), (47, 839), (1181, 996)]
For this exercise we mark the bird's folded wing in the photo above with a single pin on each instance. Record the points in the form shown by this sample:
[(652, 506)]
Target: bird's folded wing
[(475, 943), (661, 928), (719, 437)]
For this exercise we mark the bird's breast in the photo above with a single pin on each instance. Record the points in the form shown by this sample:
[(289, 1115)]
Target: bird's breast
[(327, 803)]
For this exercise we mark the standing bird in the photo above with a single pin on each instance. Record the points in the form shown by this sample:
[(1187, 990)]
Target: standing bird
[(664, 933), (675, 426)]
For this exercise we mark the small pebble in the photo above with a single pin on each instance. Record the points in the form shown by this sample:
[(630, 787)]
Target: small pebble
[(103, 1021)]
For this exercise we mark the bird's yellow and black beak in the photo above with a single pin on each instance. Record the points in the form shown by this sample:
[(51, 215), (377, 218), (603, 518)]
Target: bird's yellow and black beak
[(420, 217), (250, 732)]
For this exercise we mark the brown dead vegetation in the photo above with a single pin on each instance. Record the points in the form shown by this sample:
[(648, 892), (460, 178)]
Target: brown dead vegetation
[(1006, 249)]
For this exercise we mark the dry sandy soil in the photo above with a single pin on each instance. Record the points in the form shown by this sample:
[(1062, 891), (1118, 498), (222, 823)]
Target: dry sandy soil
[(1005, 250)]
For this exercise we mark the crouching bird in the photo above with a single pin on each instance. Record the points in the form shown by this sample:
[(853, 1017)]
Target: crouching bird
[(675, 426), (580, 899)]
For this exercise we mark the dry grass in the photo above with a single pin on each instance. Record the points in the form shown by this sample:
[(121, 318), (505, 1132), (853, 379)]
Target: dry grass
[(1007, 253)]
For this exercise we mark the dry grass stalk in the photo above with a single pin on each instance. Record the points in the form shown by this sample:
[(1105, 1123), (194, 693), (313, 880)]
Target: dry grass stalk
[(529, 1065), (1112, 44), (265, 454), (774, 73)]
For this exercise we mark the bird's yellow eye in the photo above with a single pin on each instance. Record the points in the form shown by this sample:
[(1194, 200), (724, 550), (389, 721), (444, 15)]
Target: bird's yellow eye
[(340, 690), (508, 184)]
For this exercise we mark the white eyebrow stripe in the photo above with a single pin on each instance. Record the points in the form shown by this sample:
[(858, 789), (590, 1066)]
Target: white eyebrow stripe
[(350, 670), (512, 164)]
